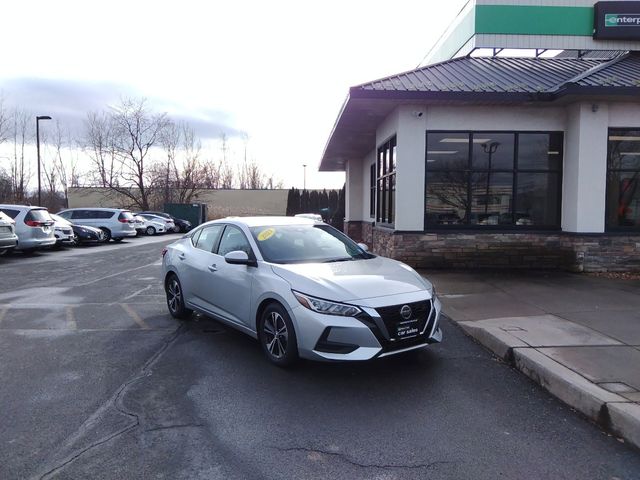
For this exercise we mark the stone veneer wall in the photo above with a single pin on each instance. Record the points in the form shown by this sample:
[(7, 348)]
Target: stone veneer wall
[(565, 251)]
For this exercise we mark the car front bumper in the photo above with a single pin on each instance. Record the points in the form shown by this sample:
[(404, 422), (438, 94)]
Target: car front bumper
[(330, 338), (8, 241)]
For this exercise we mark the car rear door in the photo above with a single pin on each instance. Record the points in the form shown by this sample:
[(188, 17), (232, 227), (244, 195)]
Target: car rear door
[(192, 260)]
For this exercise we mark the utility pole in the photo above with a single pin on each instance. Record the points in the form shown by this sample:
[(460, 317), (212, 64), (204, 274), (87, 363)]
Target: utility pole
[(38, 118), (304, 178)]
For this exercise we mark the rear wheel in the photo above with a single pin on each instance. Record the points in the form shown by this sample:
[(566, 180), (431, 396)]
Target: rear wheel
[(151, 231), (117, 240), (277, 336), (175, 299)]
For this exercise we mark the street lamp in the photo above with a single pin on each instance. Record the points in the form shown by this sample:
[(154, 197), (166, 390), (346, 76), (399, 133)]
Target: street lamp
[(304, 178), (38, 118)]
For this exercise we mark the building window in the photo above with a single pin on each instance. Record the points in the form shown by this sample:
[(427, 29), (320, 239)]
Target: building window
[(386, 182), (498, 180), (372, 191), (623, 180)]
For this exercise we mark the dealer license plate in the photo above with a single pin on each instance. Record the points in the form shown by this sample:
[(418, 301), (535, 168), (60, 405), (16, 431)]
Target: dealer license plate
[(407, 329)]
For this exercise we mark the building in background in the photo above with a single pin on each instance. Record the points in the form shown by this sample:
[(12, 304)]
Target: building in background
[(516, 145)]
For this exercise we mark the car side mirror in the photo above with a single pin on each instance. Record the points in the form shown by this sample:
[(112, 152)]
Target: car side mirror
[(238, 257), (363, 246)]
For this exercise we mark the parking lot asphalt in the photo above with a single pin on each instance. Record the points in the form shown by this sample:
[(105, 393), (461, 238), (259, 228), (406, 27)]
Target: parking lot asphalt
[(98, 381)]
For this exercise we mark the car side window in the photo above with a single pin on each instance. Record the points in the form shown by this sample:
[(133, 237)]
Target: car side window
[(233, 239), (10, 212), (65, 215), (209, 237)]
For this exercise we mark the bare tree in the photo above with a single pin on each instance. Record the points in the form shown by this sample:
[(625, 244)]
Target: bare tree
[(5, 122), (121, 141), (98, 145), (65, 161), (20, 171)]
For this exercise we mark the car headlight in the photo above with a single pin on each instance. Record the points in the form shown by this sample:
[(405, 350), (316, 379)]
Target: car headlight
[(325, 306)]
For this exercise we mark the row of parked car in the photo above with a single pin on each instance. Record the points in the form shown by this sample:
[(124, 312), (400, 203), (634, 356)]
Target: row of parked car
[(28, 228)]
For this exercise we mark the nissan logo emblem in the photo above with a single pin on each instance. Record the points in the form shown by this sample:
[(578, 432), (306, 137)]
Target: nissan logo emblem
[(406, 312)]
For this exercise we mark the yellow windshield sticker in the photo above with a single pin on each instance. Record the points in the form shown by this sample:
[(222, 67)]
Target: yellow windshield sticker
[(266, 234)]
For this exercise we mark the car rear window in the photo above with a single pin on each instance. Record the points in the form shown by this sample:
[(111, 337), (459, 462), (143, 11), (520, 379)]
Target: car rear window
[(38, 215), (10, 212), (125, 216)]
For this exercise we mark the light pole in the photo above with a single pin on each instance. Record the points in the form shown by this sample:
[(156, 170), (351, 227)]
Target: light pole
[(38, 118), (304, 176)]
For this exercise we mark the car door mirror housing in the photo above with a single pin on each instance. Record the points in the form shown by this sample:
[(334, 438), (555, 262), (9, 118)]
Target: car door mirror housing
[(238, 257), (364, 246)]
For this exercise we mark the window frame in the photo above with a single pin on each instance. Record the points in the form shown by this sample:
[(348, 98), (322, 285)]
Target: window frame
[(607, 226), (514, 171), (384, 213), (372, 190)]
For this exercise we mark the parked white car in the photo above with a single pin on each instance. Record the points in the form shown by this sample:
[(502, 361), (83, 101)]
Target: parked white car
[(34, 226), (8, 237), (116, 223), (302, 288), (62, 231), (149, 226), (169, 224)]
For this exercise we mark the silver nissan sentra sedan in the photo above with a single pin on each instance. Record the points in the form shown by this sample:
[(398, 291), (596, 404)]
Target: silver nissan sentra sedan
[(302, 288)]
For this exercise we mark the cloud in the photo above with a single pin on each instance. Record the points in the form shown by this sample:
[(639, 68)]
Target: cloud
[(69, 101)]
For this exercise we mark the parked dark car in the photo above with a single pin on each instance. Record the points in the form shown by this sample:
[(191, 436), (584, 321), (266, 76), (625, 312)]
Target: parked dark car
[(182, 226), (82, 233)]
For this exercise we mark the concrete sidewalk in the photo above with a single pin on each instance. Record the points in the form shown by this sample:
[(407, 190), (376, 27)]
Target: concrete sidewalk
[(577, 336)]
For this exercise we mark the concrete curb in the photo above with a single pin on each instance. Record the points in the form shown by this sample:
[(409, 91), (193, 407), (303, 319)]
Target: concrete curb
[(611, 411)]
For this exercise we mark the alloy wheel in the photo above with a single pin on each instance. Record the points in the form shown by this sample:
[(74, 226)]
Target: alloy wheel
[(174, 295), (276, 335)]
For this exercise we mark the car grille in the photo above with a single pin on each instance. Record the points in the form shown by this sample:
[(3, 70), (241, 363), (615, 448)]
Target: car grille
[(391, 315), (66, 231)]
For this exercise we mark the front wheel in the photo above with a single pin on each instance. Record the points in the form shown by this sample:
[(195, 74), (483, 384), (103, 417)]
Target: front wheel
[(175, 299), (277, 336)]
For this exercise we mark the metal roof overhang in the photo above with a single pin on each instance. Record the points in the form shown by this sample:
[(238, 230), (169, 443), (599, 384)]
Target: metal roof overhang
[(354, 132)]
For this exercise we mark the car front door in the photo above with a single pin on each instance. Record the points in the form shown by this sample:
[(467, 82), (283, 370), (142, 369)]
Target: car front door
[(231, 284)]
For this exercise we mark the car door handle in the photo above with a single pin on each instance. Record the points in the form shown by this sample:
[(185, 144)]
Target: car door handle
[(213, 268), (181, 256)]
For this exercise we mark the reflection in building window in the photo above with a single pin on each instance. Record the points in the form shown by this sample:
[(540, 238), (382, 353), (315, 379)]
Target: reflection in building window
[(501, 179), (623, 180)]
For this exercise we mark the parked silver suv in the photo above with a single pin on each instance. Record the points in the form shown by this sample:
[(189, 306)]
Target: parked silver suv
[(116, 223), (34, 226), (8, 237)]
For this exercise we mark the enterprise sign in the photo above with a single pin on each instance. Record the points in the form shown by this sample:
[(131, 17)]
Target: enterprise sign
[(617, 20)]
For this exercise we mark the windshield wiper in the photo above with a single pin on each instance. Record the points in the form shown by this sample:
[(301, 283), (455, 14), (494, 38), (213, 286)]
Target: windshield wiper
[(344, 259)]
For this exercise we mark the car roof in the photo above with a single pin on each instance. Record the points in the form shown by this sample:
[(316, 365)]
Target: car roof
[(267, 221), (30, 207), (104, 209)]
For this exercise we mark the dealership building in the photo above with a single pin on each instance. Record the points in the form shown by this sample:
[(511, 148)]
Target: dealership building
[(516, 144)]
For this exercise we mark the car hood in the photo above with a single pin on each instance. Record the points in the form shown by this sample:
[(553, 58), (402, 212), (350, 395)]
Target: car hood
[(352, 280)]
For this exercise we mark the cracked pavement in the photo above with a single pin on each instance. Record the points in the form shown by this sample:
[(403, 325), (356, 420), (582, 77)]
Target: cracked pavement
[(118, 389)]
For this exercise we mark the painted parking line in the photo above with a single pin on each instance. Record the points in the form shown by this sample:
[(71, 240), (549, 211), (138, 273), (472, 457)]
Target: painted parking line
[(134, 316), (71, 319), (122, 272), (138, 292), (3, 313)]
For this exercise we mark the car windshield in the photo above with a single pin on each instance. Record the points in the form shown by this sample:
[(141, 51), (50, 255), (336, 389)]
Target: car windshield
[(59, 219), (306, 244)]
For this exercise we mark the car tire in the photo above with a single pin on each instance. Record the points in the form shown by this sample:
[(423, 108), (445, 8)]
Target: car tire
[(277, 336), (117, 240), (176, 229), (175, 298), (150, 231), (107, 233)]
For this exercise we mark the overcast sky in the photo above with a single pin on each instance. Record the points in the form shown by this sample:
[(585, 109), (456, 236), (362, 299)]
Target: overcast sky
[(277, 70)]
